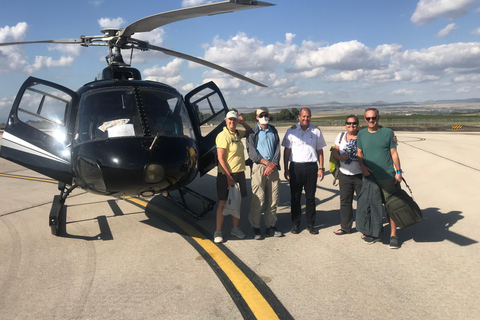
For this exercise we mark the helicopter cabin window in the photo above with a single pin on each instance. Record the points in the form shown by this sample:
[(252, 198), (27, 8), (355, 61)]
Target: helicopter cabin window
[(130, 112), (209, 109), (45, 109)]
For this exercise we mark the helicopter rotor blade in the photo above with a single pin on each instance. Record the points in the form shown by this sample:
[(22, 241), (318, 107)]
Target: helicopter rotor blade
[(152, 22), (65, 41), (204, 63)]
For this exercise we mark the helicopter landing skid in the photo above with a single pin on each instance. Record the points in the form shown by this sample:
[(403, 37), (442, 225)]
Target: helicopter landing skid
[(57, 207), (208, 203)]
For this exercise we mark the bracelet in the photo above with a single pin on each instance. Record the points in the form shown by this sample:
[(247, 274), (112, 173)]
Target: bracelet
[(323, 169), (399, 171)]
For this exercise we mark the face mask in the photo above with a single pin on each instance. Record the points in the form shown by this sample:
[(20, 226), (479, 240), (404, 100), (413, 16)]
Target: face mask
[(263, 120)]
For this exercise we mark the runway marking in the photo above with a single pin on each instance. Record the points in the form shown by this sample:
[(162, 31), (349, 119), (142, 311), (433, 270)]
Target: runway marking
[(440, 156), (27, 178), (257, 303)]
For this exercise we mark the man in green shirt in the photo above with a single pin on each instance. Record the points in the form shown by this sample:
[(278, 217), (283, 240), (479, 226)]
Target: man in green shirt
[(378, 157)]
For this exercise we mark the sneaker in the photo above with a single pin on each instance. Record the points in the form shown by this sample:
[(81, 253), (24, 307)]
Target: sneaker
[(273, 232), (218, 237), (394, 243), (258, 234), (238, 233), (370, 240)]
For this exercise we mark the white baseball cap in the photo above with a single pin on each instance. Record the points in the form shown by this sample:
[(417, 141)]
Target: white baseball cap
[(231, 114)]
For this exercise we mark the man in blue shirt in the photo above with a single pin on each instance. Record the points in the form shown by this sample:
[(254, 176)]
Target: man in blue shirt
[(263, 145)]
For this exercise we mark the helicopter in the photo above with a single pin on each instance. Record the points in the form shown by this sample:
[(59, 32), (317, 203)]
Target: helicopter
[(120, 135)]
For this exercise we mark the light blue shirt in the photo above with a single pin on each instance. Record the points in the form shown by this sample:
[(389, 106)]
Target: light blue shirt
[(266, 143)]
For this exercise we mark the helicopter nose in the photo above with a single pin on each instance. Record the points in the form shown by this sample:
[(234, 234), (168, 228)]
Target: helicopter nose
[(154, 173)]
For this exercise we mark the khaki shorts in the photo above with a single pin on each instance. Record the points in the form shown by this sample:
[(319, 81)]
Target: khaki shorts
[(222, 185)]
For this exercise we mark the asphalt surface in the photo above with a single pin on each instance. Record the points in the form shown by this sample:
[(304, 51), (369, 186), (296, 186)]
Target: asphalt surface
[(115, 260)]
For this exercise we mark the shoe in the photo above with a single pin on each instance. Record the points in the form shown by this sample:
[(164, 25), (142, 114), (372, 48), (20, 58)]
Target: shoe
[(295, 229), (394, 243), (370, 240), (312, 230), (339, 232), (237, 233), (258, 234), (273, 232), (218, 237)]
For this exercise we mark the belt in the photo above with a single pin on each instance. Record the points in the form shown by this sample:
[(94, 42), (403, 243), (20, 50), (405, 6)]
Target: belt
[(303, 163)]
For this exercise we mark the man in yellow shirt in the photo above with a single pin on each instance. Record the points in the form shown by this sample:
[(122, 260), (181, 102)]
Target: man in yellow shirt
[(231, 169)]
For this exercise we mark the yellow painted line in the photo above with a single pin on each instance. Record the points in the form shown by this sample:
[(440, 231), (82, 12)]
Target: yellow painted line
[(27, 178), (254, 299)]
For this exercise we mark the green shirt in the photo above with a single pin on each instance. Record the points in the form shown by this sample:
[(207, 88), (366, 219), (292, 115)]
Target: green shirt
[(376, 151)]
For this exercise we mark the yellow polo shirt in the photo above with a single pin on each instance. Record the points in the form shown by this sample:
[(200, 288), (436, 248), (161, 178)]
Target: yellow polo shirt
[(231, 142)]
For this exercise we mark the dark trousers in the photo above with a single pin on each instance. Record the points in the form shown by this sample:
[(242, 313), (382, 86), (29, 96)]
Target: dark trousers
[(348, 185), (303, 176)]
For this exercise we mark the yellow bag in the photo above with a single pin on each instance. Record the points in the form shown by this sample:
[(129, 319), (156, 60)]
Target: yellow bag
[(334, 164)]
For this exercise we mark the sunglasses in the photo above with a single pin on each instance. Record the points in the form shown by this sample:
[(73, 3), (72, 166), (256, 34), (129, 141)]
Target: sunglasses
[(372, 118), (351, 123), (263, 116)]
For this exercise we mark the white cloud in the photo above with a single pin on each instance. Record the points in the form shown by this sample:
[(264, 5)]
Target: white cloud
[(405, 92), (70, 49), (169, 74), (429, 10), (111, 23), (42, 62), (440, 58), (447, 30), (466, 89), (346, 75), (13, 58), (192, 3), (476, 32)]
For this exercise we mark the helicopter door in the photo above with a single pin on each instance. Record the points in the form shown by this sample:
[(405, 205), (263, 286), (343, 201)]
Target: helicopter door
[(207, 109), (38, 130)]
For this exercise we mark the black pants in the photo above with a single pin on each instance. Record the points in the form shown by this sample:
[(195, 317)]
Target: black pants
[(303, 176), (348, 185)]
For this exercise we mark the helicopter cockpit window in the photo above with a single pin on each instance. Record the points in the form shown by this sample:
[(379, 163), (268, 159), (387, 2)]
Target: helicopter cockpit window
[(209, 109), (45, 109), (166, 113), (130, 112)]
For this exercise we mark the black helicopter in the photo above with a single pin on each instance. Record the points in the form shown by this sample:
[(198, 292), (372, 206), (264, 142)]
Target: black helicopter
[(120, 135)]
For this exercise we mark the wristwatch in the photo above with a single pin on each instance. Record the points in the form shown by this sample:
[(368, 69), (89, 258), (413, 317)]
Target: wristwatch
[(323, 169)]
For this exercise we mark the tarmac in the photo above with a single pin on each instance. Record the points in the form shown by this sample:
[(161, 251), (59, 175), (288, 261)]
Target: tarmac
[(117, 260)]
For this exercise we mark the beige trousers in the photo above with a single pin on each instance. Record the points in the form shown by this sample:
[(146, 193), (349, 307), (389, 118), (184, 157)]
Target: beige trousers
[(264, 192)]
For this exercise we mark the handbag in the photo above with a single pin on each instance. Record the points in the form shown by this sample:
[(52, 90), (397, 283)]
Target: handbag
[(334, 164), (234, 201)]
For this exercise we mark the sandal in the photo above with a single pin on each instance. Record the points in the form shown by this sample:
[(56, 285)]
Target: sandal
[(339, 232)]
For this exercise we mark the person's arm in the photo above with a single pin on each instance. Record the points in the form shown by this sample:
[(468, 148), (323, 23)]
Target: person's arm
[(396, 163), (321, 170), (221, 154), (286, 157), (336, 154), (365, 170), (243, 123)]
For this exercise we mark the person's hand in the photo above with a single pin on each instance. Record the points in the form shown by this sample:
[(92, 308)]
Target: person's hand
[(366, 171), (268, 171), (230, 180), (240, 119), (321, 173), (286, 173), (398, 178)]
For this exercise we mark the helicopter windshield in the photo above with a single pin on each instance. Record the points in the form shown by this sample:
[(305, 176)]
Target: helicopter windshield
[(131, 112)]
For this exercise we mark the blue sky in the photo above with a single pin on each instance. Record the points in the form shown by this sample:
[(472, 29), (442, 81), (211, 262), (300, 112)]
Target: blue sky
[(306, 52)]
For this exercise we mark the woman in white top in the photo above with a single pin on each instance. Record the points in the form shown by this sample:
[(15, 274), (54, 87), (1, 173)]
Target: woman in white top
[(350, 177)]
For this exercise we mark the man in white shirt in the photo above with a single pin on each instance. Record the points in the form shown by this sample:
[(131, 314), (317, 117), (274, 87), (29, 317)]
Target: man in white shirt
[(303, 144)]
